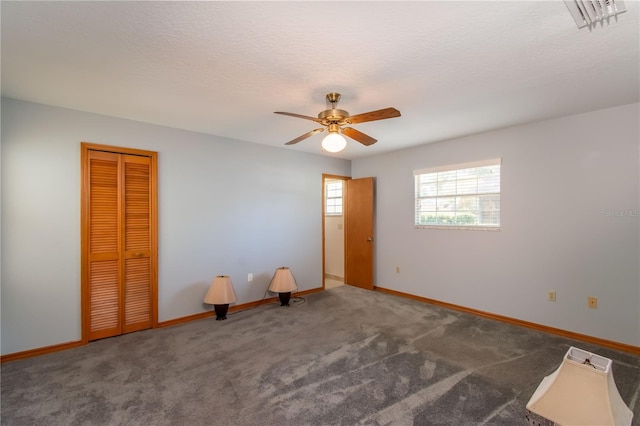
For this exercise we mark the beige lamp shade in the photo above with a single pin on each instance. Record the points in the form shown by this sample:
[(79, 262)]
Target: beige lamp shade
[(283, 281), (221, 291), (581, 392)]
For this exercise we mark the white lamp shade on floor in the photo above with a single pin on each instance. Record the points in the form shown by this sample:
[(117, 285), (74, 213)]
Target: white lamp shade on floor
[(283, 281), (582, 392), (221, 291)]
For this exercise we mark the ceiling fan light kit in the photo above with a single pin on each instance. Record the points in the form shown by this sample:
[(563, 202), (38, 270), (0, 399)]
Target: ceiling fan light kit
[(335, 119), (334, 142)]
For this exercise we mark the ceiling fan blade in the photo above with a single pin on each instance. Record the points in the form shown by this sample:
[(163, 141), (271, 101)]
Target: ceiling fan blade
[(380, 114), (306, 135), (359, 136), (306, 117)]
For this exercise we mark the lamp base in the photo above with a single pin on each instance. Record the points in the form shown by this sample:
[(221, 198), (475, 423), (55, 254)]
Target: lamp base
[(284, 298), (221, 311), (536, 420)]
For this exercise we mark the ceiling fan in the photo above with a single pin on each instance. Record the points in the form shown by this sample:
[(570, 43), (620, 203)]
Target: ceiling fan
[(334, 119)]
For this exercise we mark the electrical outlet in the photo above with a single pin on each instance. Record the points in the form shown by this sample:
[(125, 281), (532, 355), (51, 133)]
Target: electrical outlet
[(592, 302), (250, 277), (551, 296), (397, 269)]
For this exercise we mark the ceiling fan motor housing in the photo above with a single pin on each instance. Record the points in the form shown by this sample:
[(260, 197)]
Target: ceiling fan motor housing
[(333, 116)]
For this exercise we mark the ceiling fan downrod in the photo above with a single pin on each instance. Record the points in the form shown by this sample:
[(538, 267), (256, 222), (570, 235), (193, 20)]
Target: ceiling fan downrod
[(333, 99)]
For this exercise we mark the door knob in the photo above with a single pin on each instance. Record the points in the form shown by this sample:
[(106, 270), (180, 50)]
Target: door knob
[(370, 239)]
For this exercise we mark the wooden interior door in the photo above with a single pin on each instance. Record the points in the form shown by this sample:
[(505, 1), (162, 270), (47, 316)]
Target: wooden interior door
[(119, 241), (358, 232)]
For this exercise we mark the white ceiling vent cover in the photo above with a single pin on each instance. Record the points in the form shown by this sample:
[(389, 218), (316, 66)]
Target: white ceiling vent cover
[(588, 12)]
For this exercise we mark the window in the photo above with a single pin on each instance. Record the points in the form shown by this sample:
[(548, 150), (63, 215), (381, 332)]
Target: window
[(333, 198), (462, 196)]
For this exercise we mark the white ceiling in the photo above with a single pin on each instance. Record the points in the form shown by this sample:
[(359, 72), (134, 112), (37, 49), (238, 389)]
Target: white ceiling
[(223, 68)]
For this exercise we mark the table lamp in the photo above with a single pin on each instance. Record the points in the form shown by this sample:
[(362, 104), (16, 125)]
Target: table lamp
[(283, 283), (220, 294)]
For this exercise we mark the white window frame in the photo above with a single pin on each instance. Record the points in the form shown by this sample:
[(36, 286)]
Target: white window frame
[(437, 187), (329, 199)]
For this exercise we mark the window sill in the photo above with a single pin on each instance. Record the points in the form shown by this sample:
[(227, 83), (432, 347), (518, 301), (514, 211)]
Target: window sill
[(459, 228)]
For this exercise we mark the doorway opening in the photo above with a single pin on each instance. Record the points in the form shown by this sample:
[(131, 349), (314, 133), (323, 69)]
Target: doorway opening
[(333, 230)]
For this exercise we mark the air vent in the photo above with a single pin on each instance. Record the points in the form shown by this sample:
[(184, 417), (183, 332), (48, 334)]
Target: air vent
[(589, 12)]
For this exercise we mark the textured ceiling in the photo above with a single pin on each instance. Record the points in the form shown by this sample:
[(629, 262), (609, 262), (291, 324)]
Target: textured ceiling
[(451, 68)]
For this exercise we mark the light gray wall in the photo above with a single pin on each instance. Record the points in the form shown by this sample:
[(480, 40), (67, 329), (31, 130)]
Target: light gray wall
[(225, 207), (334, 245), (561, 180)]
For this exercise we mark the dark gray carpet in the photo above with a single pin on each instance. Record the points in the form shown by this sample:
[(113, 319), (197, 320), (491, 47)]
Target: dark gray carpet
[(345, 357)]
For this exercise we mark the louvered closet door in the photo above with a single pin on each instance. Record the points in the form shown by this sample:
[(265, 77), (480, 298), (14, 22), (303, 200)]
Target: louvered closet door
[(121, 267)]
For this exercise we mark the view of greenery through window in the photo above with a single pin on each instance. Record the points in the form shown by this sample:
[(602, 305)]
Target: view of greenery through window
[(333, 198), (462, 197)]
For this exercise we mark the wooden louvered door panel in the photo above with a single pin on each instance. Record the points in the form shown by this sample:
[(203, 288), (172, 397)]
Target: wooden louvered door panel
[(119, 229), (137, 244), (104, 243)]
